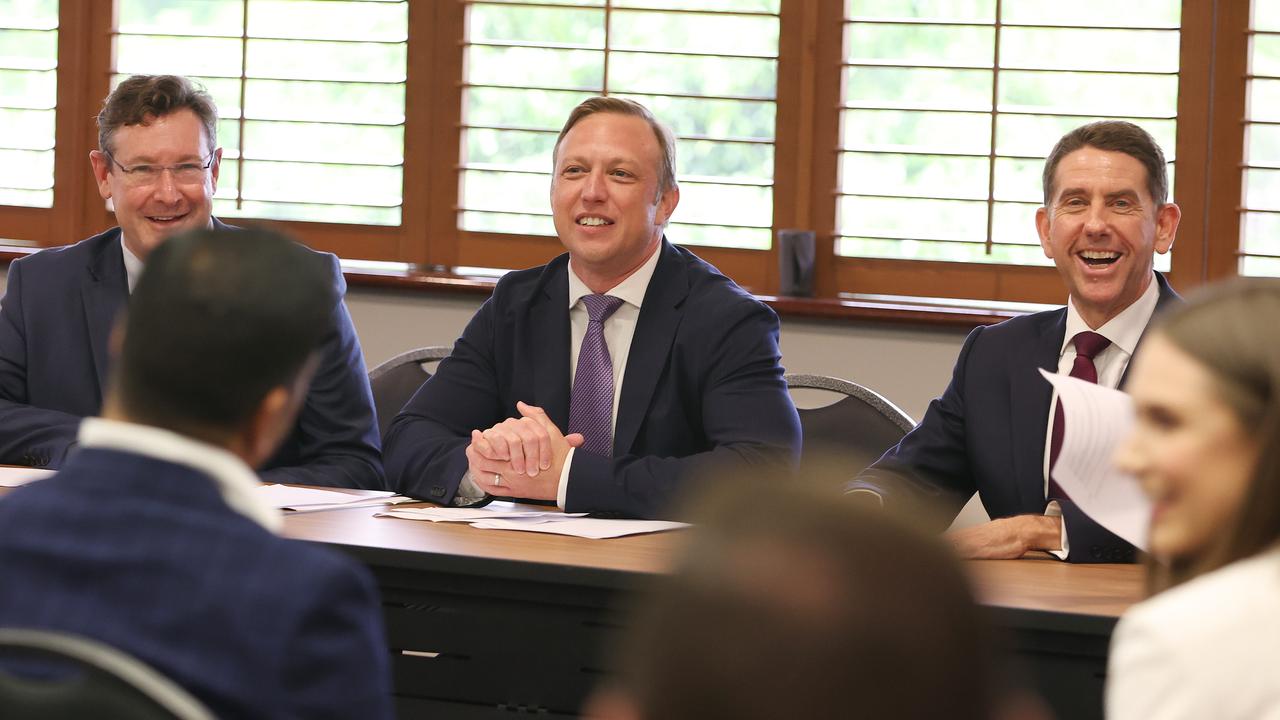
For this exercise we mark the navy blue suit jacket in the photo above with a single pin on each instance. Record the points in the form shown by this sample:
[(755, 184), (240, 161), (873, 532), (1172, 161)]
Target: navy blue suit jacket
[(986, 434), (55, 324), (703, 392), (145, 556)]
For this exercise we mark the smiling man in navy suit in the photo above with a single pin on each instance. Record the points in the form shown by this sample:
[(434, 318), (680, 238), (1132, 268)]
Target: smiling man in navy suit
[(614, 375), (157, 164), (992, 432)]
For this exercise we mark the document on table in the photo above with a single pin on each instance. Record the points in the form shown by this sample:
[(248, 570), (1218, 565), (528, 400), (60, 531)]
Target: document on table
[(305, 499), (15, 476), (1097, 419), (504, 515)]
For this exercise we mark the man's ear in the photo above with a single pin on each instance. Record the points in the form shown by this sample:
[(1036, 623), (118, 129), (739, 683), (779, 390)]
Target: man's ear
[(667, 202), (101, 169), (267, 426), (1042, 229), (1167, 219)]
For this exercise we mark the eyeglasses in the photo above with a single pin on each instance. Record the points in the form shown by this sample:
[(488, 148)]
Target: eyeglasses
[(144, 175)]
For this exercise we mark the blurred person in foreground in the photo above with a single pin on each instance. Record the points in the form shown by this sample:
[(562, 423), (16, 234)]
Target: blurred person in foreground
[(610, 378), (801, 607), (995, 429), (157, 164), (1206, 449), (151, 538)]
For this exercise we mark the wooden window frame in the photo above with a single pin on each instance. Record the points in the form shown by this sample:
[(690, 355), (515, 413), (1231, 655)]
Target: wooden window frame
[(1209, 151)]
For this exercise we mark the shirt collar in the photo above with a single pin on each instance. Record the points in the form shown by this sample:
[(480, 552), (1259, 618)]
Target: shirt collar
[(237, 483), (132, 264), (1124, 330), (631, 290)]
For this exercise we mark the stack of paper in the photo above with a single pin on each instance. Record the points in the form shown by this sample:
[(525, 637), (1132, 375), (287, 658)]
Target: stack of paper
[(305, 499), (502, 515)]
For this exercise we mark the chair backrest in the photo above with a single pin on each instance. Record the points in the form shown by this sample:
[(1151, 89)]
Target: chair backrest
[(92, 680), (395, 381), (843, 438)]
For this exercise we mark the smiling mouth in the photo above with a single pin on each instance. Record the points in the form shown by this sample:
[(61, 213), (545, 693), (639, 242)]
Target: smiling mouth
[(590, 221), (166, 219), (1099, 258)]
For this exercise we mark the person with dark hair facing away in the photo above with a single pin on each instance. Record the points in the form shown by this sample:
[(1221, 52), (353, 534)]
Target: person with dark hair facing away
[(157, 163), (151, 538), (996, 428), (804, 608), (611, 377), (1206, 449)]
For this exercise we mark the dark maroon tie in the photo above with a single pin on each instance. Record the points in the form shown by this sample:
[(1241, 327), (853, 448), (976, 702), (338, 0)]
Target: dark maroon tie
[(1088, 345)]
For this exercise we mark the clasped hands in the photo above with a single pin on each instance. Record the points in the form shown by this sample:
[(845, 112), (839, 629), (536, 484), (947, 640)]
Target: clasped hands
[(521, 457)]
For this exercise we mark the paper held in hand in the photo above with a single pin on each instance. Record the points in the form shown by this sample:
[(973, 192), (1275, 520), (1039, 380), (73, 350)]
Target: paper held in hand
[(1097, 419)]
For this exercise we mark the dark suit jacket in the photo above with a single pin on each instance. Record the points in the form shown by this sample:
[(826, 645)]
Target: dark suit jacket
[(55, 324), (987, 434), (145, 556), (703, 391)]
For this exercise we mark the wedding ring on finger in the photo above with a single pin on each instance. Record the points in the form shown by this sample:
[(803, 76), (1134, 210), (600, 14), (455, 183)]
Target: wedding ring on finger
[(497, 480)]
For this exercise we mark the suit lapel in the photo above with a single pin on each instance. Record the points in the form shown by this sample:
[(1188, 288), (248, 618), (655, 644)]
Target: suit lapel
[(104, 291), (650, 346), (549, 345), (1166, 299), (1030, 396)]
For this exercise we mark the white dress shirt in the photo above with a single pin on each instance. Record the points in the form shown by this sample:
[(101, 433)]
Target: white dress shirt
[(1209, 648), (1124, 331), (132, 265), (235, 480)]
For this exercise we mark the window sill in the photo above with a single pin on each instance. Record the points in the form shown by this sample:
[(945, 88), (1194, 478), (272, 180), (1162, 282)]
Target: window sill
[(872, 309)]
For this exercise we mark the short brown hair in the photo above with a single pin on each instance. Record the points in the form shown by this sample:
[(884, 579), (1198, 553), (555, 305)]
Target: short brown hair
[(141, 98), (623, 106), (806, 606), (1229, 327), (1113, 136)]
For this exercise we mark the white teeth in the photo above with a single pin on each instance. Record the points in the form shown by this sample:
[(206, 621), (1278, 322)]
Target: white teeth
[(593, 221), (1099, 254), (164, 218)]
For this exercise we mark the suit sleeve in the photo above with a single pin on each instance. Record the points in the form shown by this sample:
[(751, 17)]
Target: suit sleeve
[(335, 441), (28, 435), (747, 417), (337, 664), (426, 444), (1089, 542), (929, 471)]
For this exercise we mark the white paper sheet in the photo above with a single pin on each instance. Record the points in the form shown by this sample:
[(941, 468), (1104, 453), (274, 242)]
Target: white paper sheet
[(1097, 419), (16, 476), (591, 528), (305, 499), (504, 515)]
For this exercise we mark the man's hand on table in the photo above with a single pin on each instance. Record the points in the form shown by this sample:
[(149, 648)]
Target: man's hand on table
[(526, 454), (1007, 538)]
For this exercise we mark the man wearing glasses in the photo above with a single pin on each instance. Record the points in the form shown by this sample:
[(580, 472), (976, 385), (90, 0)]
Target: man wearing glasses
[(157, 165)]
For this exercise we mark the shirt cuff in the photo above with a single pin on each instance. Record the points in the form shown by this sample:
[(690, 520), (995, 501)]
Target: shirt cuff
[(563, 489), (872, 493), (468, 492), (1053, 509)]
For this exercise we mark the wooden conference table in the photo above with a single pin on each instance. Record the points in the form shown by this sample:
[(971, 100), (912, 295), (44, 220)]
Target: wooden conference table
[(486, 623)]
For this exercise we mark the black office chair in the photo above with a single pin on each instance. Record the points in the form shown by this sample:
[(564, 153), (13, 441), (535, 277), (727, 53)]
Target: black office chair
[(396, 380), (91, 680), (843, 438)]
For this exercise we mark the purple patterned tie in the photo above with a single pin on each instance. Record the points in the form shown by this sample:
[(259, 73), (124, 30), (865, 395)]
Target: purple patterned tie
[(591, 403), (1088, 344)]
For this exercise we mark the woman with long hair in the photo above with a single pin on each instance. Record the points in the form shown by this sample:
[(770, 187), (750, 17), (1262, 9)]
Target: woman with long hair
[(1206, 386)]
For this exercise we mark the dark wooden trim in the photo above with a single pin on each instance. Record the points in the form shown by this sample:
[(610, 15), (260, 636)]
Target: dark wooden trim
[(1226, 138)]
